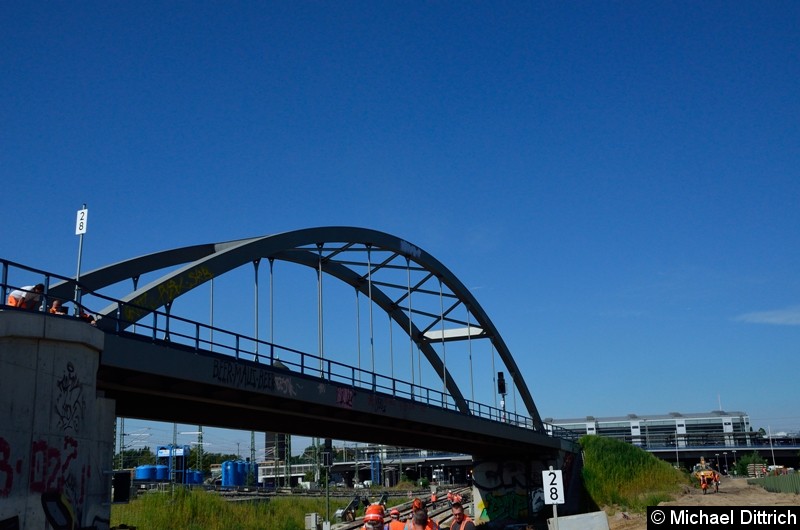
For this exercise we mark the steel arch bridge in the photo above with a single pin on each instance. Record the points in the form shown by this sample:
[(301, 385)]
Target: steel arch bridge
[(412, 287)]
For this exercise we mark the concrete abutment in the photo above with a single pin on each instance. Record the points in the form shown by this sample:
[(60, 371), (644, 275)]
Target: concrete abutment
[(56, 432)]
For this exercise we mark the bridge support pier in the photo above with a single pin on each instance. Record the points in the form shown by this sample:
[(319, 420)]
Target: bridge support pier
[(56, 433), (508, 489)]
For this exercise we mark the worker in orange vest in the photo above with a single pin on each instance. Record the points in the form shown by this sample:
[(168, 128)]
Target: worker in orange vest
[(460, 520), (417, 507), (373, 518), (420, 521), (395, 523), (433, 499), (28, 297)]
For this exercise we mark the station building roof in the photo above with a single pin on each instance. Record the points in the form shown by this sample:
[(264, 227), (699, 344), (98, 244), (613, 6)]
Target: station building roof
[(710, 416)]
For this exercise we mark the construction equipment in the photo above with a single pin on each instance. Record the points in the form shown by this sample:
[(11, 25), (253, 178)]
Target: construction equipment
[(706, 474), (348, 513)]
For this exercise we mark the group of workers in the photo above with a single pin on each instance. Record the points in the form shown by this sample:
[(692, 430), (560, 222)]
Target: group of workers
[(30, 298), (418, 519)]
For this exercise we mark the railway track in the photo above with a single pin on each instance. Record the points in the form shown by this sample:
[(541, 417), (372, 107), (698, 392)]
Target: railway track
[(441, 513)]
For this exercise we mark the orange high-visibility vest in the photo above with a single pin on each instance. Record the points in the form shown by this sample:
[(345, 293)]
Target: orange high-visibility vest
[(463, 523)]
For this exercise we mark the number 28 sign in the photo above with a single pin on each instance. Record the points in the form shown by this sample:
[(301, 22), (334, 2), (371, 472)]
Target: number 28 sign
[(81, 221), (553, 486)]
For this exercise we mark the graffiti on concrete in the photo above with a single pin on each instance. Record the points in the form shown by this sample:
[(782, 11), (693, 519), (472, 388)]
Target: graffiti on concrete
[(344, 397), (70, 404), (165, 292), (285, 386), (249, 377), (242, 376), (173, 288), (49, 468), (509, 489), (7, 468)]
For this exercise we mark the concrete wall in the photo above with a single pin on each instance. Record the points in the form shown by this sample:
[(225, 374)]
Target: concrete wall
[(55, 432), (508, 490), (583, 521)]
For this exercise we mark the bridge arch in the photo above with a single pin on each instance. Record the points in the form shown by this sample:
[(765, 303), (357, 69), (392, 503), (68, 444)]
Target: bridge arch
[(321, 248)]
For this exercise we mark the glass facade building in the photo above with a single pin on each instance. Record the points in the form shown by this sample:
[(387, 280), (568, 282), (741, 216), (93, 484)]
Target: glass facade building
[(717, 428)]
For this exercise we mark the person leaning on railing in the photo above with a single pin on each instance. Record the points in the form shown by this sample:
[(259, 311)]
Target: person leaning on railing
[(28, 297)]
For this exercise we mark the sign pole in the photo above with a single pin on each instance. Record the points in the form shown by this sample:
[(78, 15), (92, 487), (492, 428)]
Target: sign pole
[(80, 229), (553, 486)]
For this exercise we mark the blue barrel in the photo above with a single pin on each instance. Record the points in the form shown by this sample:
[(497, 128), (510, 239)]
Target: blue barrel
[(147, 472), (162, 472), (228, 474), (198, 477)]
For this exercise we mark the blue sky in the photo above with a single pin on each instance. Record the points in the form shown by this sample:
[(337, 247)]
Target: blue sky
[(616, 182)]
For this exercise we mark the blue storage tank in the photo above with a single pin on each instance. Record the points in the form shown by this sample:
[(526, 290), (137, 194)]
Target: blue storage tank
[(162, 472), (241, 472), (146, 472), (198, 477), (228, 474)]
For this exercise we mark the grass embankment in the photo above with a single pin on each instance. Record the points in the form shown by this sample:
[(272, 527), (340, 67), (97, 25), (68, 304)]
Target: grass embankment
[(623, 476), (196, 509)]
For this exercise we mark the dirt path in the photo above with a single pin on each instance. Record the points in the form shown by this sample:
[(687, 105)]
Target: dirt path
[(732, 492)]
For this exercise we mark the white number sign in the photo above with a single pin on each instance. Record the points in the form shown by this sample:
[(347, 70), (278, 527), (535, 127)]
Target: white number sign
[(80, 222), (553, 486)]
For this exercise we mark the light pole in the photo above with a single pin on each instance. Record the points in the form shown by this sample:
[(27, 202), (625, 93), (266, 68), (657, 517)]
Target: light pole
[(725, 454), (734, 462), (716, 455)]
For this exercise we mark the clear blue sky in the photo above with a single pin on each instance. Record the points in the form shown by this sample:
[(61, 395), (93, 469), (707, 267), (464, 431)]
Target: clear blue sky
[(617, 182)]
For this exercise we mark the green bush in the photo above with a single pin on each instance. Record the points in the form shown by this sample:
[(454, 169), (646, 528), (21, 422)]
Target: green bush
[(619, 474)]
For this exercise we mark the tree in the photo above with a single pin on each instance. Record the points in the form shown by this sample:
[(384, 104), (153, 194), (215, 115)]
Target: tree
[(745, 460), (131, 458)]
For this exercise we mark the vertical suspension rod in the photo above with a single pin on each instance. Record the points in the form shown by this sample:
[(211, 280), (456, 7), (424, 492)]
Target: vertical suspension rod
[(444, 349), (469, 348), (369, 286), (358, 334), (319, 311), (271, 310), (410, 326), (255, 301)]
